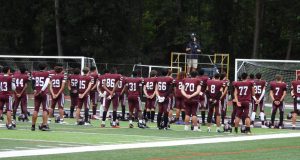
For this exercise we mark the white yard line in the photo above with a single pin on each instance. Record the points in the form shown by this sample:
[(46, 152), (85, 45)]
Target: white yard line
[(37, 140), (51, 151)]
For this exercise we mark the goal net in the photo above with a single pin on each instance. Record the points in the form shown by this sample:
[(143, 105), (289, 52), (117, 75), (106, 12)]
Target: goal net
[(268, 69), (31, 62)]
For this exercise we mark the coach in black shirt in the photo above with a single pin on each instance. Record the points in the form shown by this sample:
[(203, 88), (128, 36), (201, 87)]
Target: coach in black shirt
[(193, 48)]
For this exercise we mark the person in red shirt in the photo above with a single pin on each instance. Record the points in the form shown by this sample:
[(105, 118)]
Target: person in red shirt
[(224, 97), (73, 89), (295, 93), (41, 81), (243, 93), (203, 98), (112, 81), (190, 91), (258, 99), (163, 90), (85, 83), (21, 81), (133, 88), (57, 85), (94, 93), (7, 86), (179, 98), (121, 97), (102, 93), (277, 93), (149, 91), (214, 92)]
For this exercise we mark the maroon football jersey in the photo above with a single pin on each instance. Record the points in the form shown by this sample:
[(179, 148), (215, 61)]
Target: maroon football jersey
[(73, 78), (57, 80), (214, 86), (101, 80), (111, 80), (164, 84), (259, 85), (134, 86), (244, 90), (83, 82), (178, 86), (278, 89), (203, 80), (6, 85), (296, 88), (150, 85), (190, 86), (20, 81), (40, 79), (94, 75), (120, 85)]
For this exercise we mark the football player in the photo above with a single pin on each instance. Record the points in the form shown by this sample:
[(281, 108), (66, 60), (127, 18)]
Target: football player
[(295, 93), (93, 93), (191, 90), (133, 88), (40, 84), (277, 93), (149, 88), (203, 99), (242, 93), (121, 97), (85, 83), (7, 86), (163, 90), (179, 99), (224, 97), (110, 85), (214, 91), (57, 85), (73, 88), (102, 93), (21, 82), (258, 99)]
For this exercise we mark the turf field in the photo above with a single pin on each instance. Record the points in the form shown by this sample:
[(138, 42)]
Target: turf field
[(69, 137)]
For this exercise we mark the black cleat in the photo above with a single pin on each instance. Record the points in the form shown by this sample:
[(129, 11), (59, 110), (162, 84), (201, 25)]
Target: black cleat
[(32, 128)]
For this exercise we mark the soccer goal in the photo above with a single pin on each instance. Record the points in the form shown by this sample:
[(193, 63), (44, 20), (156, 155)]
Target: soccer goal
[(146, 69), (31, 62), (269, 68)]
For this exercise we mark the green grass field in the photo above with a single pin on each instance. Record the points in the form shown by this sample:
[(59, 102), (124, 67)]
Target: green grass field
[(70, 135)]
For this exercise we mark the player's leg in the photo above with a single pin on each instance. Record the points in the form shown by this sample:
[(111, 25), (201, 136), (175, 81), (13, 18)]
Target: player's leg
[(106, 107), (1, 107), (166, 110), (24, 106), (189, 65), (138, 105), (52, 107), (15, 106), (194, 116), (86, 103), (187, 116), (115, 102), (8, 113), (178, 108), (148, 115), (281, 113), (233, 113), (295, 112), (253, 114), (45, 104), (239, 115), (170, 112), (122, 102), (273, 113), (218, 116), (209, 116), (74, 102), (61, 103), (94, 102), (246, 108), (131, 108), (37, 103), (262, 113), (159, 114), (152, 108)]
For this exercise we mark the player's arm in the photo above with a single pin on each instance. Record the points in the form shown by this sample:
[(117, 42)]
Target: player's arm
[(88, 89), (197, 91), (24, 88), (283, 96), (106, 89), (46, 84), (51, 89), (114, 89), (98, 86), (262, 94), (94, 86), (125, 89), (236, 95), (272, 94), (145, 91), (69, 84), (156, 91), (63, 84), (13, 84), (184, 93), (292, 91)]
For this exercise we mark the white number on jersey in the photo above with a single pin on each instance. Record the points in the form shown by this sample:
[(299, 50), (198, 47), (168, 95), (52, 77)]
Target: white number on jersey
[(180, 85), (213, 89), (74, 82), (56, 83), (190, 87), (257, 89), (19, 82), (162, 86), (298, 88), (39, 81), (243, 90), (82, 84), (110, 83), (277, 91), (149, 85), (132, 86), (3, 86)]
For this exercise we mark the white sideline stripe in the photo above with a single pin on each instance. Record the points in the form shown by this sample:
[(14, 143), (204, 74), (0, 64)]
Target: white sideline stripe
[(52, 151), (37, 140), (29, 148), (71, 145), (41, 146)]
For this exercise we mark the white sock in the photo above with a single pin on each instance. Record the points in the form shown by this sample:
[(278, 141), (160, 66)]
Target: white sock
[(130, 121), (262, 116), (253, 116)]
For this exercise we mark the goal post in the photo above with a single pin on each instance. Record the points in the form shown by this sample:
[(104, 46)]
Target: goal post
[(30, 62), (269, 68)]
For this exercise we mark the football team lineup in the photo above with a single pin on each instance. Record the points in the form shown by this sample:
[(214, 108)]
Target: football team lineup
[(72, 102)]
